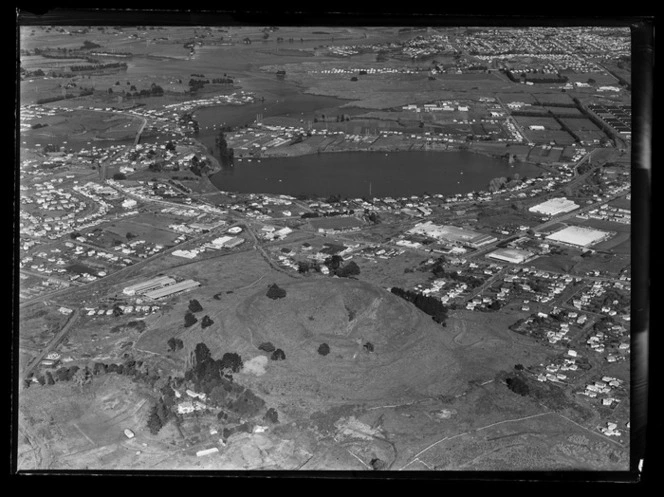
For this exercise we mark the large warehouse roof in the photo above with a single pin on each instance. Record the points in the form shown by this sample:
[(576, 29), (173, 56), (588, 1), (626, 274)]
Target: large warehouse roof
[(515, 256), (554, 206), (171, 289), (452, 233), (579, 236), (148, 285)]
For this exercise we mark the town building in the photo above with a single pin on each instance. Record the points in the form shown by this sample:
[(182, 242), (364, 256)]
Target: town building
[(554, 206), (515, 256), (579, 236), (149, 285), (172, 289)]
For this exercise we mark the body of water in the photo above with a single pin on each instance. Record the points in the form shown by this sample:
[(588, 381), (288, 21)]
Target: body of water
[(355, 174)]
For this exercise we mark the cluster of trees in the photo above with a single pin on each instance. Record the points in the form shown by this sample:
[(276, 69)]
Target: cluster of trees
[(372, 217), (189, 319), (517, 385), (175, 344), (275, 292), (439, 272), (198, 166), (49, 148), (154, 91), (138, 370), (333, 263), (98, 67), (429, 305), (206, 322), (226, 154), (277, 354), (210, 376), (536, 77), (195, 306), (504, 182), (88, 45), (54, 98)]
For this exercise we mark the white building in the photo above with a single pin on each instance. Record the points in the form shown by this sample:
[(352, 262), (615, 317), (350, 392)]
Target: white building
[(515, 256), (579, 236), (554, 206)]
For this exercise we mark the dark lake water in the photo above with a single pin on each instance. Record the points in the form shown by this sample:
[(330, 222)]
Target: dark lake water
[(351, 174)]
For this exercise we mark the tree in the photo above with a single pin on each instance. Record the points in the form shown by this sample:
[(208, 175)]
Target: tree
[(119, 176), (232, 361), (49, 378), (175, 344), (207, 321), (324, 349), (201, 354), (154, 421), (333, 262), (350, 269), (271, 416), (278, 355), (189, 319), (368, 347), (274, 292), (82, 377), (517, 385), (267, 347), (195, 306), (378, 464), (99, 368)]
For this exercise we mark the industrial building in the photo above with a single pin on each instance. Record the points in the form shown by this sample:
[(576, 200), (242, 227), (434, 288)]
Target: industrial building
[(169, 290), (453, 234), (149, 285), (515, 256), (554, 207), (226, 242), (579, 236)]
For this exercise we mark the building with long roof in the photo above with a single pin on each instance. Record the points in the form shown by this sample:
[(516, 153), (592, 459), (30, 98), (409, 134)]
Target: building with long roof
[(579, 236), (169, 290), (554, 206), (148, 285)]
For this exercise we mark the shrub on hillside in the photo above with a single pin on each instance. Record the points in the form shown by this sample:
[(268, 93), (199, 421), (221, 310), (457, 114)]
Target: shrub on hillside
[(175, 344), (517, 385), (274, 292), (207, 321), (189, 319), (267, 347), (278, 355), (324, 349), (271, 416), (195, 306), (232, 361)]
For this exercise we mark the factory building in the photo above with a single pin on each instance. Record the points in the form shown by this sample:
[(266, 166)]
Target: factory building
[(170, 290), (579, 236), (554, 207), (149, 285), (226, 242), (453, 234), (515, 256)]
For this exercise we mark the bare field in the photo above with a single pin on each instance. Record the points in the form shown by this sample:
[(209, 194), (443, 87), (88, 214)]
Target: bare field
[(83, 428)]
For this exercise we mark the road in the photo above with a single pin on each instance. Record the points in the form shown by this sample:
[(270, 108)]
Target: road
[(588, 207), (73, 317), (120, 272)]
